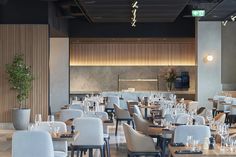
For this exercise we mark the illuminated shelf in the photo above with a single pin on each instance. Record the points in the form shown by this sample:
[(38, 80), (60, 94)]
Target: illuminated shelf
[(138, 80)]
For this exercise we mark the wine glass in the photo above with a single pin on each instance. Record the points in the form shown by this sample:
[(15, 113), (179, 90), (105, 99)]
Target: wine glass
[(50, 121), (38, 119)]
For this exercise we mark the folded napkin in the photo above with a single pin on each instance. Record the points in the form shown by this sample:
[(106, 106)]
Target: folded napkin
[(187, 152)]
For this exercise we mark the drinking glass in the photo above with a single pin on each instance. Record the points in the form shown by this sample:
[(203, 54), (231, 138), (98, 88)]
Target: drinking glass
[(195, 145), (37, 119), (189, 141), (209, 115), (50, 121)]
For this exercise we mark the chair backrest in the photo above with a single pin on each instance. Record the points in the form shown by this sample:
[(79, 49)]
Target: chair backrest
[(220, 118), (32, 144), (169, 118), (90, 131), (77, 106), (101, 115), (137, 111), (57, 145), (135, 141), (198, 132), (121, 113), (70, 114), (130, 105), (199, 120), (182, 118), (112, 100), (140, 124)]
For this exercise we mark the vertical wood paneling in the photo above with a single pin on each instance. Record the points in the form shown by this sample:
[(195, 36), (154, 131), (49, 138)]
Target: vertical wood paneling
[(32, 41), (115, 52)]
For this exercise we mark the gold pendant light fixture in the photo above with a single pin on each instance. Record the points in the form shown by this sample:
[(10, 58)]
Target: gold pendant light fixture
[(134, 7)]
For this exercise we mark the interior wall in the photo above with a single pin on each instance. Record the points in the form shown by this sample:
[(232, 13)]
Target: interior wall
[(208, 74), (228, 56), (105, 78), (59, 73), (132, 51), (32, 41)]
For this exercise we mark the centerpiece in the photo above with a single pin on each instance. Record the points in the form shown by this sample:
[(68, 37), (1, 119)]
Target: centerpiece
[(170, 77)]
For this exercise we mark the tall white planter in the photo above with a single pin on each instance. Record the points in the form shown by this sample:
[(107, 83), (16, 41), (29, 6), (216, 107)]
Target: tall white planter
[(20, 118)]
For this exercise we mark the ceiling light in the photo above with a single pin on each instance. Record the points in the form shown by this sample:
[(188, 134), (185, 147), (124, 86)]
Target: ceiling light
[(233, 18), (208, 58), (133, 12), (224, 22)]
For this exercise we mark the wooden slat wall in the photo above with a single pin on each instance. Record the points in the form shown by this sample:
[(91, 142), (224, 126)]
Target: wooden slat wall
[(132, 52), (32, 41)]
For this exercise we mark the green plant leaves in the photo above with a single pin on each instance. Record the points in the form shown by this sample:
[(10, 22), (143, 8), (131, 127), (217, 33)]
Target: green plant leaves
[(20, 77)]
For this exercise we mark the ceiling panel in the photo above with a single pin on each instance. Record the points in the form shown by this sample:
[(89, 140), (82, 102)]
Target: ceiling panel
[(120, 10)]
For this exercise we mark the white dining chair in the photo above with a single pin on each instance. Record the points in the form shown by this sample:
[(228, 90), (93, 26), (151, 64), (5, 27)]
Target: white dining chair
[(193, 106), (182, 118), (198, 132), (90, 135), (32, 144), (199, 120), (109, 108), (60, 147), (67, 114), (139, 144), (78, 106)]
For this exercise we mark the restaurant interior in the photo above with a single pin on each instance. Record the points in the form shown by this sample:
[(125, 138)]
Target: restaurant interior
[(114, 78)]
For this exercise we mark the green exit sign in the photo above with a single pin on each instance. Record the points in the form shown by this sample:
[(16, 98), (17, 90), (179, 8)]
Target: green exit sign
[(198, 13)]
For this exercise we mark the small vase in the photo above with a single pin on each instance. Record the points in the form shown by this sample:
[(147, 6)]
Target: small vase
[(169, 86)]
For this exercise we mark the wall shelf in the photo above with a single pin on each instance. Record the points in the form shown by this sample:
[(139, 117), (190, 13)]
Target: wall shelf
[(138, 80)]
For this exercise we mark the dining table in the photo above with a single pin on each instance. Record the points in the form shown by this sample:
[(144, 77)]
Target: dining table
[(217, 151), (67, 136), (146, 107)]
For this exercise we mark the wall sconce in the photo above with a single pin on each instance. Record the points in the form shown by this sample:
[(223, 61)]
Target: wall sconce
[(208, 58)]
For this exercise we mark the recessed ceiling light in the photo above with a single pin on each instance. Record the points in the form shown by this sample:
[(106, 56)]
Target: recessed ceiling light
[(215, 16)]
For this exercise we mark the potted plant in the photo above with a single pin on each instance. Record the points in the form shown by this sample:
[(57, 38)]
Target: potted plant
[(20, 79), (170, 77)]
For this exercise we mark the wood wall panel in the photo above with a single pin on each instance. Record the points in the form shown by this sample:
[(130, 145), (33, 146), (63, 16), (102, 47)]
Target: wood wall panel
[(32, 41), (132, 52)]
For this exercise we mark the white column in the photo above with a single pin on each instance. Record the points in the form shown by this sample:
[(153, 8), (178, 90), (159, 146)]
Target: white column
[(59, 73), (208, 37)]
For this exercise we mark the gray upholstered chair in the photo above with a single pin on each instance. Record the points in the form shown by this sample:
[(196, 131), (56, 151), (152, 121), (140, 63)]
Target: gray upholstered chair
[(137, 111), (130, 105), (139, 144), (122, 115), (199, 132), (232, 114), (141, 124), (32, 144)]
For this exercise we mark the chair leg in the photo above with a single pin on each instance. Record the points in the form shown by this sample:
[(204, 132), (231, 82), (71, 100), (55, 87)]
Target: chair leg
[(102, 151), (90, 152), (72, 151), (108, 147), (133, 124), (117, 121), (77, 152)]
